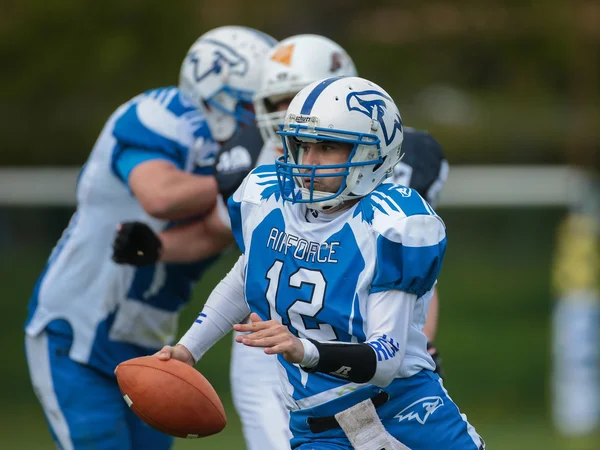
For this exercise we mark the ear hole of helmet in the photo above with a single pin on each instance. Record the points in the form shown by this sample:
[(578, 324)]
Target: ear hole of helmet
[(377, 166)]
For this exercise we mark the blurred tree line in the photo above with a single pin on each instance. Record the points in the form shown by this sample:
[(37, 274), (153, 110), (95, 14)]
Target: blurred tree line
[(497, 81)]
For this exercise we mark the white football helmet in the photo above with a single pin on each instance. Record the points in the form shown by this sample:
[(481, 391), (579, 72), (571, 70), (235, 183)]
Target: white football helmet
[(343, 109), (221, 73), (291, 65)]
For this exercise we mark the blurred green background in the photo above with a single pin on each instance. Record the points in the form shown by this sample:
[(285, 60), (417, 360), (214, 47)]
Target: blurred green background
[(496, 81), (502, 81)]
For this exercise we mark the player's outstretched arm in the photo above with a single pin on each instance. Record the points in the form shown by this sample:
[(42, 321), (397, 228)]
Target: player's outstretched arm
[(166, 192), (354, 362), (271, 335), (378, 359), (375, 361), (225, 306)]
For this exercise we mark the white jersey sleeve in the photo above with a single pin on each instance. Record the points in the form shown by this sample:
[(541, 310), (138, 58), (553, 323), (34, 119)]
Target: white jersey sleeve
[(410, 250), (390, 316), (225, 307)]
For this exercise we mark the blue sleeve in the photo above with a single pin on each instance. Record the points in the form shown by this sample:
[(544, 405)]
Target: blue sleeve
[(411, 259), (126, 158), (132, 133)]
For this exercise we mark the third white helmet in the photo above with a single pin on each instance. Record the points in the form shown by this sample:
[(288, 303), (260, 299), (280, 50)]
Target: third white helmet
[(291, 65)]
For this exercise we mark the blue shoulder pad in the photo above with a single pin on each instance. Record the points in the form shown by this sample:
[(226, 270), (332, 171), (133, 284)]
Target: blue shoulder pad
[(410, 252), (160, 121), (390, 200), (130, 131)]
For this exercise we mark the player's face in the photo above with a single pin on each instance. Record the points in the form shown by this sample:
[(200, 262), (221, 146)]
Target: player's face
[(321, 154)]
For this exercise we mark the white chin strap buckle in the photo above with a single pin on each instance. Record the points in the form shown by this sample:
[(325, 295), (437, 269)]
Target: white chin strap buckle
[(364, 429)]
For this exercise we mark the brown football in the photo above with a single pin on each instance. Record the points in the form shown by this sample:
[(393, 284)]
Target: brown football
[(171, 397)]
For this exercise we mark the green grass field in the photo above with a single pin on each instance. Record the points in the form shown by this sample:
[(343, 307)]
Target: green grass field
[(494, 334)]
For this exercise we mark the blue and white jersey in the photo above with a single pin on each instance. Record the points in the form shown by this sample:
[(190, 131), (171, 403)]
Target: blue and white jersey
[(116, 312), (317, 277)]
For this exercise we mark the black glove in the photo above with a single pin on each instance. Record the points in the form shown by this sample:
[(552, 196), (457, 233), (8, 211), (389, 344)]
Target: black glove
[(136, 244), (437, 359), (236, 159)]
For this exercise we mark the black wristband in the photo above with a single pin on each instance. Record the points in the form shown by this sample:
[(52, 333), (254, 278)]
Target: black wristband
[(352, 362)]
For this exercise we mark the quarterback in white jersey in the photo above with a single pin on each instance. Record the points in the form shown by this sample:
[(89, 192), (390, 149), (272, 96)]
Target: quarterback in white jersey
[(152, 162), (338, 269), (291, 65)]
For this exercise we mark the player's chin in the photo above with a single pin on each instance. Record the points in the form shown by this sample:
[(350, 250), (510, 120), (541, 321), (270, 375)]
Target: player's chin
[(329, 189)]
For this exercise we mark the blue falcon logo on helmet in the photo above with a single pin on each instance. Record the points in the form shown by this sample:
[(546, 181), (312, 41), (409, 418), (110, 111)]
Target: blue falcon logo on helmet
[(366, 101), (224, 55)]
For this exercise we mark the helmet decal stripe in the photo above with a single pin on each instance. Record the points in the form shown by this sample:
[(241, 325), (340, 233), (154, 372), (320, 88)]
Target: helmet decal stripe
[(312, 97)]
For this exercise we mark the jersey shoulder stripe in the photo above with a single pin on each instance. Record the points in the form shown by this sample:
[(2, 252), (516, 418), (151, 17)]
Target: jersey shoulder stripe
[(160, 118), (262, 184), (390, 202)]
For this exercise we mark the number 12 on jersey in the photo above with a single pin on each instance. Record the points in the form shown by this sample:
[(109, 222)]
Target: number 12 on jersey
[(300, 308)]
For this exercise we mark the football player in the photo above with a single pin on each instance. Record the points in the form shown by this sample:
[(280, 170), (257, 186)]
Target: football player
[(291, 65), (152, 162), (338, 268)]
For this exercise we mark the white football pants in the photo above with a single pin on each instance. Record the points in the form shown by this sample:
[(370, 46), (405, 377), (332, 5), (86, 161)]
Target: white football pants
[(257, 397)]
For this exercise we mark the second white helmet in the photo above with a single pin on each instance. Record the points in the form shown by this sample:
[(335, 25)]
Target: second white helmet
[(291, 65), (221, 74)]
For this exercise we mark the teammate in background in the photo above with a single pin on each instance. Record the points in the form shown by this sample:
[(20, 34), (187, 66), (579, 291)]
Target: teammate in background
[(338, 270), (152, 163), (291, 65)]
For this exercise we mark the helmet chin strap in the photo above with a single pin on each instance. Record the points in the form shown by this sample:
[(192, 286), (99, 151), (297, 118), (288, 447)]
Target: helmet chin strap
[(328, 206), (317, 215)]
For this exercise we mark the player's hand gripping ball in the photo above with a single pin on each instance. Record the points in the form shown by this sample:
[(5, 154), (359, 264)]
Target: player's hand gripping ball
[(171, 396)]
